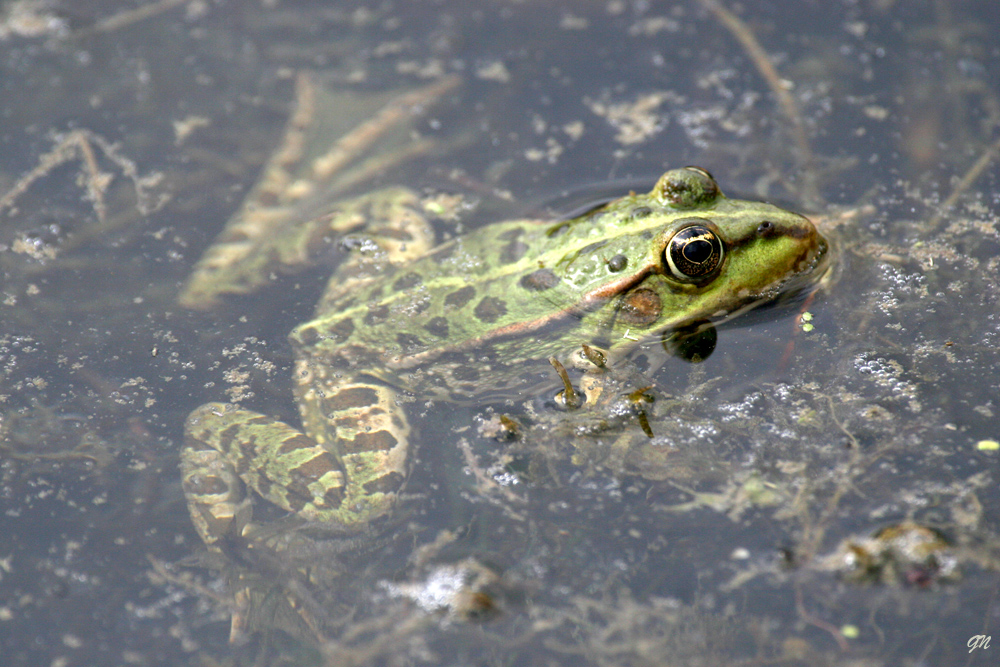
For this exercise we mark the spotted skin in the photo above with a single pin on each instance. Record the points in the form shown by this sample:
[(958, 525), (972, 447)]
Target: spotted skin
[(467, 317)]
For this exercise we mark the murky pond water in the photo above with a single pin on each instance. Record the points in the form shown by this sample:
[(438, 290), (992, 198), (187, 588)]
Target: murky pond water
[(821, 489)]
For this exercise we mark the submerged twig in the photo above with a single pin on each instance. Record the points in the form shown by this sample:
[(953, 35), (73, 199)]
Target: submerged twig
[(186, 582), (818, 622), (974, 172), (128, 17), (79, 145), (741, 31)]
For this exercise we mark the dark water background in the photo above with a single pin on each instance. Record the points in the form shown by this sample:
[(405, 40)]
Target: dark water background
[(783, 444)]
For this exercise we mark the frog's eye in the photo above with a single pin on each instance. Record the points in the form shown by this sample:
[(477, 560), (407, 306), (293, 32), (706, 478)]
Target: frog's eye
[(694, 254)]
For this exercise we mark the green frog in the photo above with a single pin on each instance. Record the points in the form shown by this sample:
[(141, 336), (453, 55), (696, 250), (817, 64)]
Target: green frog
[(457, 321)]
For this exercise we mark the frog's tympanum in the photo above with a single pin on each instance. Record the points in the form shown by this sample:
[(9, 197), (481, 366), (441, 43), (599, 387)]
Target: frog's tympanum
[(456, 321)]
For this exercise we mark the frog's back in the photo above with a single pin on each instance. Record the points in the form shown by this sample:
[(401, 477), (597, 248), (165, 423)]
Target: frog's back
[(464, 294)]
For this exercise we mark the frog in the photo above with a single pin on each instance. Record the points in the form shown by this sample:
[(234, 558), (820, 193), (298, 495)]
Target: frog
[(455, 321)]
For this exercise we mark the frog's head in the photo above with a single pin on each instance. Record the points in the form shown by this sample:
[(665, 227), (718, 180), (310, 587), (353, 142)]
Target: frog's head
[(710, 258)]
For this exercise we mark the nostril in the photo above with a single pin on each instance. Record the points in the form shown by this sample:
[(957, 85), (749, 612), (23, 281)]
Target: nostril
[(767, 229)]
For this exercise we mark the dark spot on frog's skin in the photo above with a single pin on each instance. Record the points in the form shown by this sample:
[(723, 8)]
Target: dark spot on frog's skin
[(514, 249), (512, 252), (309, 471), (460, 297), (345, 424), (466, 373), (295, 443), (409, 342), (437, 326), (333, 497), (355, 397), (617, 263), (228, 437), (377, 441), (640, 212), (341, 331), (490, 309), (359, 356), (262, 485), (308, 335), (243, 460), (640, 307), (540, 280), (377, 315), (406, 281), (385, 484)]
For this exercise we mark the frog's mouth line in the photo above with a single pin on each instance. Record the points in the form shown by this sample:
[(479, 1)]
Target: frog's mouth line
[(795, 288)]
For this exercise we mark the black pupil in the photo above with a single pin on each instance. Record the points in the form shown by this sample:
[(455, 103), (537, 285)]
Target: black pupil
[(697, 251)]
